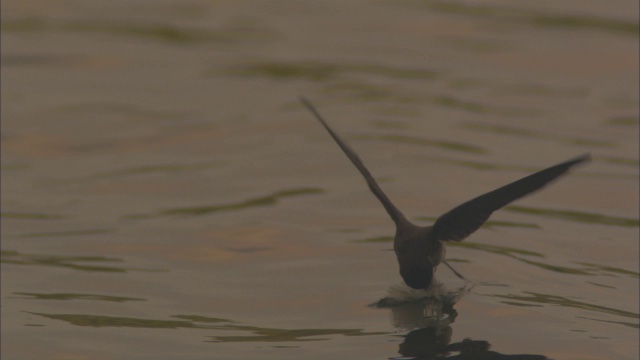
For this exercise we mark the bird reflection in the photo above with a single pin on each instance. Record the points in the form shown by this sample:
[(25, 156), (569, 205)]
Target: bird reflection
[(432, 343), (428, 315)]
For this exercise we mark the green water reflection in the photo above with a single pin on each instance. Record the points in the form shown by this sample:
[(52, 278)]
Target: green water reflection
[(320, 71), (83, 263), (67, 233), (606, 269), (253, 202), (203, 322), (624, 121), (72, 296), (618, 160), (548, 299), (30, 216), (417, 140), (585, 268), (154, 31), (533, 17), (510, 130), (353, 81), (140, 170), (115, 321), (625, 323), (577, 216), (455, 103)]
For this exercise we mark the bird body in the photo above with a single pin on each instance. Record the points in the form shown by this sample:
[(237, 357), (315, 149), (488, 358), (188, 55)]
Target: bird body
[(418, 254), (419, 249)]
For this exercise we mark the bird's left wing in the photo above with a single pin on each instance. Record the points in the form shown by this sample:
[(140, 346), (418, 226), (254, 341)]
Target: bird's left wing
[(463, 220)]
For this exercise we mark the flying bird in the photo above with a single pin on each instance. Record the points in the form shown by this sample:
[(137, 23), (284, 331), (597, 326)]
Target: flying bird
[(419, 249)]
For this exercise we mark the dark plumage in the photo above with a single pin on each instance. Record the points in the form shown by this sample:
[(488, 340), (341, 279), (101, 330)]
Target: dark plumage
[(419, 249)]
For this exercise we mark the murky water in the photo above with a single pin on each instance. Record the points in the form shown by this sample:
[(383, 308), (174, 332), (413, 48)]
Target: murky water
[(166, 196)]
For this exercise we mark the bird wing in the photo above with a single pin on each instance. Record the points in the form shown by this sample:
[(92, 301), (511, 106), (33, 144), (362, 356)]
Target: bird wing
[(463, 220), (392, 210)]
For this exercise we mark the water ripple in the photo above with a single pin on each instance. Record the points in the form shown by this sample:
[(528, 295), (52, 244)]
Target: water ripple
[(259, 334), (532, 297), (576, 216), (210, 209), (72, 296), (83, 263)]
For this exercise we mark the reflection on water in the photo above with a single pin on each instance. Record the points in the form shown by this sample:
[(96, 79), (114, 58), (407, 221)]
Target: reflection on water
[(435, 343), (69, 296), (429, 315), (624, 323), (510, 130), (278, 335), (159, 32), (83, 263), (550, 299), (30, 216), (586, 268), (577, 216), (177, 111), (491, 166), (622, 161), (323, 71), (204, 210), (66, 233), (257, 334), (139, 170), (116, 321), (448, 145), (345, 80), (533, 17), (624, 121)]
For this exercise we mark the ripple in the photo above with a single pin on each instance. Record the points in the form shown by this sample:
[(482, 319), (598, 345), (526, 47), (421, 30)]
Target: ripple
[(279, 335), (587, 269), (494, 249), (576, 216), (320, 71), (72, 296), (210, 209), (258, 334), (622, 161), (135, 171), (538, 18), (67, 233), (155, 31), (83, 263), (116, 321), (417, 140), (548, 299), (30, 216), (510, 130)]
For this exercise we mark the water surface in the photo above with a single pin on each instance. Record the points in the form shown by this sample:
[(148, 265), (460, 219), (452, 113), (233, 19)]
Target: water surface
[(166, 196)]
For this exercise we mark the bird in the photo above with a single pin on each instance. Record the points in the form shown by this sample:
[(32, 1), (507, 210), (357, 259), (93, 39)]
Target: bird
[(420, 249)]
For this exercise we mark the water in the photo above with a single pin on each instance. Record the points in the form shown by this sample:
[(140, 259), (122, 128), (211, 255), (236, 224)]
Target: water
[(166, 196)]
